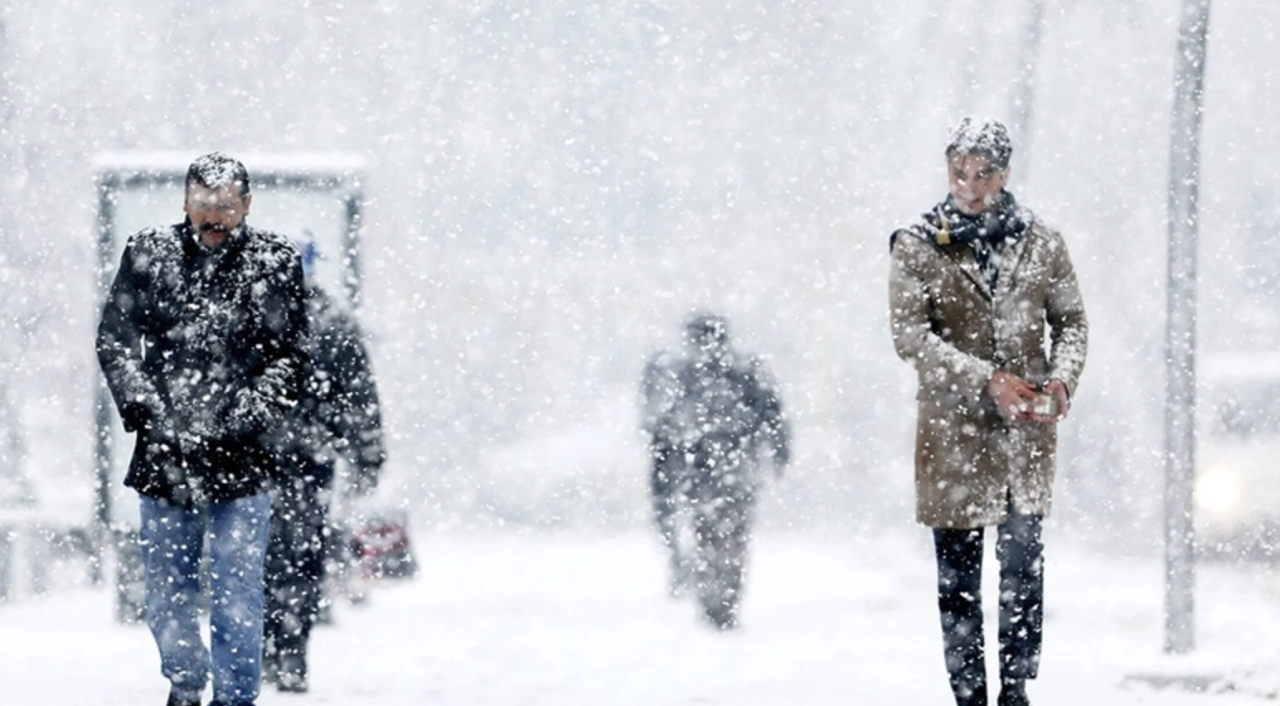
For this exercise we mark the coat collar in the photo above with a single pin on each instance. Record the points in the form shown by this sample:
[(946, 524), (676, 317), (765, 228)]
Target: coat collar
[(961, 255), (1012, 262), (1012, 256)]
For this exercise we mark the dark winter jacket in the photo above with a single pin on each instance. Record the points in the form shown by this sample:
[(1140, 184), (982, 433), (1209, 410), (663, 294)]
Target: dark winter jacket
[(337, 412), (202, 351), (722, 410), (659, 392)]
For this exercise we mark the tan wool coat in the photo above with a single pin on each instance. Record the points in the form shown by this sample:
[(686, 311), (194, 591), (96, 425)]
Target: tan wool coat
[(971, 465)]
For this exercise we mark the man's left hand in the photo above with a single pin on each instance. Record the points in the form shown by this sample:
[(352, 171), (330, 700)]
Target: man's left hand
[(362, 484)]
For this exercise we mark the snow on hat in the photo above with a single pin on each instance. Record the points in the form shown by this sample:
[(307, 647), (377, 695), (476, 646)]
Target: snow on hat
[(984, 137)]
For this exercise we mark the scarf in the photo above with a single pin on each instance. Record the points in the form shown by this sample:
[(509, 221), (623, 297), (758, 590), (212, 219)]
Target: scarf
[(985, 233)]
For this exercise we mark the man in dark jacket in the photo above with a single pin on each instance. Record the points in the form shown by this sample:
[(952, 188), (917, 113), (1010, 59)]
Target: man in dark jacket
[(201, 344), (724, 420), (337, 415)]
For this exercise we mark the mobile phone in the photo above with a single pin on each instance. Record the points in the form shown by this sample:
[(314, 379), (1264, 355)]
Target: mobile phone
[(1046, 405)]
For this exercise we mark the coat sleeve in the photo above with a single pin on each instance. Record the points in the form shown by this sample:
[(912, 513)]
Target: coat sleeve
[(774, 429), (1068, 325), (914, 338), (660, 392), (358, 422), (119, 347), (269, 395)]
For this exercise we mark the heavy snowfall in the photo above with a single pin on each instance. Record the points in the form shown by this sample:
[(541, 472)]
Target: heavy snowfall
[(547, 189)]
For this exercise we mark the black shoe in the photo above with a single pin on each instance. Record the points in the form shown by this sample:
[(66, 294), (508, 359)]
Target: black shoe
[(270, 669), (721, 618), (1013, 693), (292, 683), (292, 675), (176, 699), (970, 696)]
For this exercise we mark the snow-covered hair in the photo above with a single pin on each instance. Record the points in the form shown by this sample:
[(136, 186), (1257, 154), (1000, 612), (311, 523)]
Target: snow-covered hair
[(218, 171), (982, 137), (705, 328)]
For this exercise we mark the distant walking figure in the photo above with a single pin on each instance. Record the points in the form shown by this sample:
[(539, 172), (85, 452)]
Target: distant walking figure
[(715, 419)]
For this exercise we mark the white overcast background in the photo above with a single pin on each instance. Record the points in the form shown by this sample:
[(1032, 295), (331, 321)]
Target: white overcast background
[(551, 186)]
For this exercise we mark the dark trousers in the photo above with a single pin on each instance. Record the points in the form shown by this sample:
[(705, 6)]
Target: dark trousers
[(295, 563), (722, 494), (722, 530), (1021, 556), (664, 486)]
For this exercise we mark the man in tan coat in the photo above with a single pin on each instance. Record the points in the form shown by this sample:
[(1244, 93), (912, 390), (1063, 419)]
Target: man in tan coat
[(975, 285)]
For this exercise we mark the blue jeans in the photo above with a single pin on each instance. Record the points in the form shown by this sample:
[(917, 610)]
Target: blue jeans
[(172, 543)]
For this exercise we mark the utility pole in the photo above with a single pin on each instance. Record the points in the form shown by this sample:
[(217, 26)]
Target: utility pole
[(1022, 100), (1180, 332)]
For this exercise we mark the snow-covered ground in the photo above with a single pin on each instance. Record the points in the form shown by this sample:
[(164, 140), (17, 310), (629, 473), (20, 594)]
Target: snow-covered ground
[(570, 619)]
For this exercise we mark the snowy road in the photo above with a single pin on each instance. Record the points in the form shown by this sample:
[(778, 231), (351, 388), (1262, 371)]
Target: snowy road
[(567, 620)]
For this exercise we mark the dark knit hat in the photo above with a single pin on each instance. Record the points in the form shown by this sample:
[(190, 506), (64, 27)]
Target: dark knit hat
[(705, 328)]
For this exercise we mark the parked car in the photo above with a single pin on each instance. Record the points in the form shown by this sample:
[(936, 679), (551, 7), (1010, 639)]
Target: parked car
[(1237, 488)]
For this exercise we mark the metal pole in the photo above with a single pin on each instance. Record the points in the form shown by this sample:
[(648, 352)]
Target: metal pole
[(1022, 100), (102, 455), (1180, 340)]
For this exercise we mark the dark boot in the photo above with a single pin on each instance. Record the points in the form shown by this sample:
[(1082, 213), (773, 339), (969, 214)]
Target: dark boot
[(176, 699), (970, 695), (723, 618), (1013, 692), (292, 677), (270, 657)]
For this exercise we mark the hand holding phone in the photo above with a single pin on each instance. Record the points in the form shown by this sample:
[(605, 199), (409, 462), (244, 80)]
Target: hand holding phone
[(1046, 405)]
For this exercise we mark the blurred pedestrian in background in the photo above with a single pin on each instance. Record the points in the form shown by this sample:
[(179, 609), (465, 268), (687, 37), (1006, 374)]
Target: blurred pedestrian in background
[(716, 420), (974, 286), (337, 416), (201, 344)]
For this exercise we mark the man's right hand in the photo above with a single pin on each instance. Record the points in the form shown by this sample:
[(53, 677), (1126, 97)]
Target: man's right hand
[(1013, 396), (162, 434), (362, 483)]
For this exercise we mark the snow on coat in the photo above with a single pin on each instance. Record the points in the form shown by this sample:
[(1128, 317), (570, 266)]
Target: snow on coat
[(201, 351), (970, 463), (719, 409)]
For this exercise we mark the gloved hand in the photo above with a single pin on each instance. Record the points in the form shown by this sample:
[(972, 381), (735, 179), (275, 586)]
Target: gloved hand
[(781, 456), (363, 482), (779, 441), (248, 414), (161, 432), (136, 415)]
